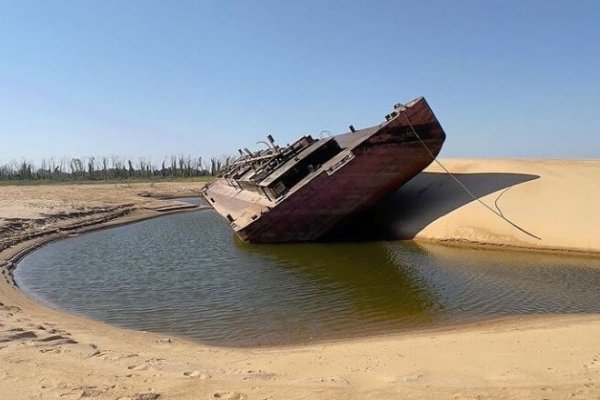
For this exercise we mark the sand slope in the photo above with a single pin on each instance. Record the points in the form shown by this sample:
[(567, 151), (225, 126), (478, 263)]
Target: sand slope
[(555, 200)]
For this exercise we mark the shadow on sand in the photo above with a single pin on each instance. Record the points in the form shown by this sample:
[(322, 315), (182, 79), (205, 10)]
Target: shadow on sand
[(427, 197)]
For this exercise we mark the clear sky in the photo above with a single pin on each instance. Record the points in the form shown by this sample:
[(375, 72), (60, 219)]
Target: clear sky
[(152, 78)]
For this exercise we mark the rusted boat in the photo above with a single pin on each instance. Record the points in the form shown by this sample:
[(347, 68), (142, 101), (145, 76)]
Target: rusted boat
[(301, 191)]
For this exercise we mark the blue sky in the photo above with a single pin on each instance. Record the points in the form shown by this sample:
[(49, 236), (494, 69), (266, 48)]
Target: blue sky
[(152, 78)]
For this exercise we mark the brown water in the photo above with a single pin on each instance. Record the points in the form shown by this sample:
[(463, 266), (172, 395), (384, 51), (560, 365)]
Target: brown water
[(185, 274)]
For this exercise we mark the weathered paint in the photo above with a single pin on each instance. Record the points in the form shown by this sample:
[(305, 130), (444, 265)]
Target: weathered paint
[(370, 168)]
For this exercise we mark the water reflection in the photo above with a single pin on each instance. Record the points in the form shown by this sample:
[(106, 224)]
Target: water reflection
[(375, 285), (475, 282), (185, 274)]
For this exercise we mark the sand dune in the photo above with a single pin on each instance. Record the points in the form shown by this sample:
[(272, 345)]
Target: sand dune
[(47, 354), (555, 200)]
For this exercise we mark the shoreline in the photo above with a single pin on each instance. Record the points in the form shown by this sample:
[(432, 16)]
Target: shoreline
[(554, 200), (131, 217), (474, 245), (57, 354), (142, 215)]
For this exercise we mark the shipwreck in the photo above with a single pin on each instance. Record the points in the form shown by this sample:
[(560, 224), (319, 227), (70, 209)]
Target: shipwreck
[(301, 191)]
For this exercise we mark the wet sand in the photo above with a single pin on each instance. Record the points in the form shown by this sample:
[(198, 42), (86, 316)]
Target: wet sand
[(46, 353)]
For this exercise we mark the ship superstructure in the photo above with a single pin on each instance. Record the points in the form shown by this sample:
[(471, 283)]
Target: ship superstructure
[(299, 192)]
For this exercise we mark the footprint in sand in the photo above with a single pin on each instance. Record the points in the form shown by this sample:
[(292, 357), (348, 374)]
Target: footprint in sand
[(260, 375), (196, 374), (228, 396), (112, 355), (141, 367), (144, 396), (594, 364)]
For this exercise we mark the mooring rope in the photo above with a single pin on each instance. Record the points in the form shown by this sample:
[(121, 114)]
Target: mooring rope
[(466, 189)]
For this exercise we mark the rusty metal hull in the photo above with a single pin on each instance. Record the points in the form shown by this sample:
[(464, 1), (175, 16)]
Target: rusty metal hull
[(382, 159)]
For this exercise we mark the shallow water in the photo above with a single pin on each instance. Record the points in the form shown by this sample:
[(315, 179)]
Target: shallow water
[(186, 274)]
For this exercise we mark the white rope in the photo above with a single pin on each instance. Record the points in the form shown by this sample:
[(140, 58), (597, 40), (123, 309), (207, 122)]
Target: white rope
[(466, 189)]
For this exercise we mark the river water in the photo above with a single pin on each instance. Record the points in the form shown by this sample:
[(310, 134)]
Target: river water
[(186, 274)]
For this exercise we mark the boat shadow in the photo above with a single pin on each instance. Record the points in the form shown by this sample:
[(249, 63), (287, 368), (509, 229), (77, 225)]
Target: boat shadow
[(424, 199)]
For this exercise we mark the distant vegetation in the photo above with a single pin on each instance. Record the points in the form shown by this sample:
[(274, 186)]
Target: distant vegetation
[(111, 168)]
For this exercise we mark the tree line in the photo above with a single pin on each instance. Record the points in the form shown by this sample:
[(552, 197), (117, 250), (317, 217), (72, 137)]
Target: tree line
[(112, 168)]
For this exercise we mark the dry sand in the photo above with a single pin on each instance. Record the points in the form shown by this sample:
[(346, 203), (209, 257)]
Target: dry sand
[(48, 354), (556, 200)]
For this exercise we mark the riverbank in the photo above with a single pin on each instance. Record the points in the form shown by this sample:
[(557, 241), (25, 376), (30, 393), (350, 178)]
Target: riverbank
[(548, 205), (50, 354)]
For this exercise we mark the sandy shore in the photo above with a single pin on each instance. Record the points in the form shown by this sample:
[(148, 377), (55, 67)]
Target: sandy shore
[(47, 354), (555, 201)]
